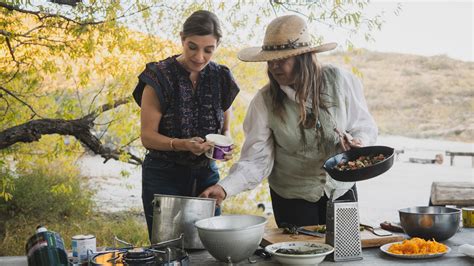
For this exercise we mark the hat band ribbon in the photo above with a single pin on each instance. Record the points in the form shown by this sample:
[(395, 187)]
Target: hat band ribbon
[(289, 45)]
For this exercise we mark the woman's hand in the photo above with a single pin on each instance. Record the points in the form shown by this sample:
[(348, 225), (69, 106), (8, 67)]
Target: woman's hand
[(230, 154), (197, 145), (216, 192), (347, 141)]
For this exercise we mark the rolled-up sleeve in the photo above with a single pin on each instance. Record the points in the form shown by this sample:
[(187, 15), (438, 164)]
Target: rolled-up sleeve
[(257, 155)]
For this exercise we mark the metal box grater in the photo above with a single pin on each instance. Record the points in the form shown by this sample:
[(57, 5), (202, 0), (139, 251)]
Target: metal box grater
[(342, 230)]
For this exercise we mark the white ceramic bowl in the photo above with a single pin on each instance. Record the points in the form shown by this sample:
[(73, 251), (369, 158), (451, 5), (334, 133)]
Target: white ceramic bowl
[(231, 238), (299, 246)]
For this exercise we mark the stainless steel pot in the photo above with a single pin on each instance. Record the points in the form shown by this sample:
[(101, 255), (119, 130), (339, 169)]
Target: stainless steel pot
[(175, 215)]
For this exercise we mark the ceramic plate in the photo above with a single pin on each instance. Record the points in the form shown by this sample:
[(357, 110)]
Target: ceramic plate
[(385, 247)]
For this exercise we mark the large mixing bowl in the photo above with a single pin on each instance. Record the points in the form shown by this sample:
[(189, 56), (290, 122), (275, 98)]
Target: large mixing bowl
[(430, 222), (231, 238)]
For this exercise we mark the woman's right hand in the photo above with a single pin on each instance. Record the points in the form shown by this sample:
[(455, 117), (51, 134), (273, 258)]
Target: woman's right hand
[(216, 192), (197, 145)]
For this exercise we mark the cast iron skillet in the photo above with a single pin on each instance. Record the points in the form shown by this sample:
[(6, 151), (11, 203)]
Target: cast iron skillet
[(362, 173)]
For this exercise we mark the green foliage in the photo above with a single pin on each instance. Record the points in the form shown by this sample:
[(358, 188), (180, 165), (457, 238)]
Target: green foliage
[(247, 202), (126, 226), (7, 185), (64, 204), (44, 196), (41, 197)]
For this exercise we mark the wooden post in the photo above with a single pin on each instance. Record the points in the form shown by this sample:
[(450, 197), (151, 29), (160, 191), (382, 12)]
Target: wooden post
[(452, 193)]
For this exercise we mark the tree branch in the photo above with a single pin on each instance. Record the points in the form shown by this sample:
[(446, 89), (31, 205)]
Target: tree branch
[(7, 103), (14, 8), (20, 100), (66, 2), (80, 128), (82, 23), (11, 49), (5, 33), (93, 115)]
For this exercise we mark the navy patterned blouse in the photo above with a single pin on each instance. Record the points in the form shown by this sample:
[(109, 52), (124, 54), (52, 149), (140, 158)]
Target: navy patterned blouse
[(188, 112)]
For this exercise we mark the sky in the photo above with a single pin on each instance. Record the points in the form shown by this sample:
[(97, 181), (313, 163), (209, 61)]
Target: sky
[(426, 28)]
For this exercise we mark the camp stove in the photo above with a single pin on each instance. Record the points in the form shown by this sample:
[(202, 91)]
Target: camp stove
[(167, 253), (342, 229)]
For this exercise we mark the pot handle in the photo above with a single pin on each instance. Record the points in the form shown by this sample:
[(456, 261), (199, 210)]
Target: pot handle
[(156, 204)]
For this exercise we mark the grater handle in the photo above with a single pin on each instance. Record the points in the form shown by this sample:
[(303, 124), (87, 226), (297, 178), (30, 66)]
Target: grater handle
[(334, 190)]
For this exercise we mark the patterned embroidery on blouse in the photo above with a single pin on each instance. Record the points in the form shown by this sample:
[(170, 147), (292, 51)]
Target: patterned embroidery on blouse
[(190, 112)]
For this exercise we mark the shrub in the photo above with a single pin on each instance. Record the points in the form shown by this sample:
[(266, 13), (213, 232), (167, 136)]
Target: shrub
[(64, 204), (45, 198)]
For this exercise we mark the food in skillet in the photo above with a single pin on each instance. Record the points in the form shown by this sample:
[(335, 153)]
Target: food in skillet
[(361, 162), (417, 246)]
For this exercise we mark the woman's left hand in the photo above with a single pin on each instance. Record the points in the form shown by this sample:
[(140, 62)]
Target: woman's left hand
[(347, 141), (230, 154)]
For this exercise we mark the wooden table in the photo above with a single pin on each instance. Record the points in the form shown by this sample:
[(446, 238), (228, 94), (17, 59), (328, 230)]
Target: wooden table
[(371, 256)]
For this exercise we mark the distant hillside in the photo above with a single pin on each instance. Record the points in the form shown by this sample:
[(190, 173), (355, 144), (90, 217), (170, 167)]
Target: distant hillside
[(416, 96)]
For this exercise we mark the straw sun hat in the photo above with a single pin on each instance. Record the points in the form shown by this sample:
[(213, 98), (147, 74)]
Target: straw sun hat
[(285, 37)]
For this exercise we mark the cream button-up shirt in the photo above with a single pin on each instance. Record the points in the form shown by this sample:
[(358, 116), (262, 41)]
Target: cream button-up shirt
[(257, 154)]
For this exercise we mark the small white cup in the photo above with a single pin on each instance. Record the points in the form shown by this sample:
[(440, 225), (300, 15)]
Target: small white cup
[(222, 145)]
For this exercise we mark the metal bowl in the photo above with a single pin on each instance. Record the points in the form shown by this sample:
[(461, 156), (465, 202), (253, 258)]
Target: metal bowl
[(433, 222), (361, 173), (231, 238)]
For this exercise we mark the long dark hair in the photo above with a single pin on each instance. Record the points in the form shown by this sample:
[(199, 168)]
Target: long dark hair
[(201, 23), (308, 81)]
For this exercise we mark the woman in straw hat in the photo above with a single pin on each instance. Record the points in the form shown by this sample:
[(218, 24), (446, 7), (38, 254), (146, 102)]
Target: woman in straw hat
[(307, 113)]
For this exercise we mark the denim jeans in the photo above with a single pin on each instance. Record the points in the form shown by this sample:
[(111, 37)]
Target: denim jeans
[(301, 212), (169, 178)]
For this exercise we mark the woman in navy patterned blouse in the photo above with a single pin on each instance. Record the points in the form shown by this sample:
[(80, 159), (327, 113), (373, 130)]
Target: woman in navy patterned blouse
[(183, 98)]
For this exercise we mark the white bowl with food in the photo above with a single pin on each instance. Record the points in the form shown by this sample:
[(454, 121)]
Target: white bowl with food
[(299, 252)]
